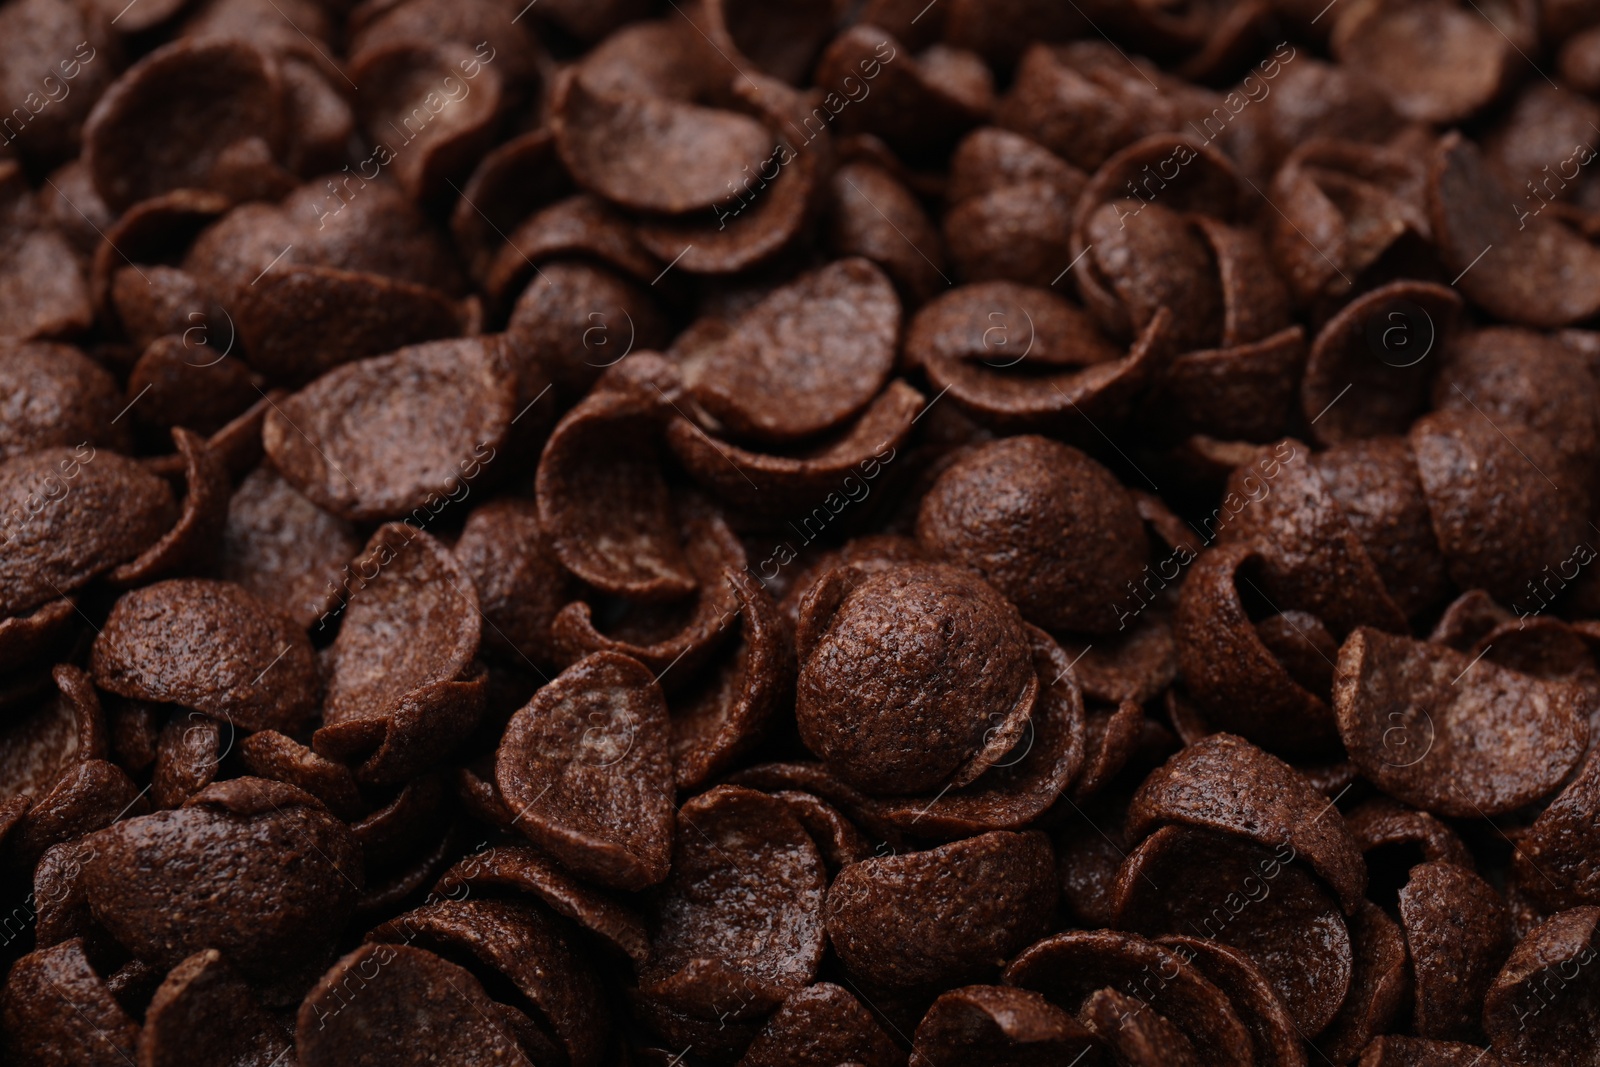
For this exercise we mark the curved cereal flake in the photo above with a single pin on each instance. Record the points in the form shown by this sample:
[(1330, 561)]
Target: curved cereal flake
[(1276, 1041), (935, 653), (824, 475), (231, 127), (204, 1013), (57, 1010), (117, 510), (46, 740), (187, 754), (394, 1004), (585, 766), (783, 43), (1149, 257), (1135, 666), (1393, 1050), (603, 500), (209, 874), (387, 436), (1112, 737), (990, 158), (57, 397), (1245, 392), (835, 836), (270, 754), (1374, 480), (191, 543), (1229, 669), (1498, 521), (357, 315), (1458, 933), (1133, 1036), (1452, 740), (808, 357), (1540, 273), (737, 928), (681, 636), (520, 585), (822, 1026), (730, 712), (917, 103), (1465, 66), (1070, 968), (87, 795), (1225, 783), (528, 948), (1028, 778), (927, 919), (1248, 896), (680, 157), (1380, 985), (1542, 1005), (1034, 324), (29, 639), (411, 734), (873, 215), (1303, 541), (176, 389), (520, 868), (509, 183), (1061, 403), (256, 670), (284, 549), (1044, 524), (1014, 233), (43, 292), (581, 226), (1383, 823), (997, 1024)]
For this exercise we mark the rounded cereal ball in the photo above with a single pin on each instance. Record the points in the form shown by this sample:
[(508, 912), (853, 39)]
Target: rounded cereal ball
[(911, 677), (1045, 525)]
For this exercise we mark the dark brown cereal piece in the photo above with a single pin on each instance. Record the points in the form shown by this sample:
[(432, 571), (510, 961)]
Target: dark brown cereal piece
[(685, 634), (1151, 257), (1453, 741), (1034, 325), (935, 653), (393, 434), (270, 754), (1468, 62), (1555, 860), (1311, 558), (1541, 1007), (225, 137), (1069, 968), (679, 157), (523, 869), (807, 358), (1276, 1041), (1014, 233), (57, 1012), (1044, 524), (586, 768), (510, 182), (187, 754), (866, 812), (117, 511), (1540, 273), (1135, 1037), (603, 499), (783, 43), (1244, 392), (821, 1026), (1039, 767), (1136, 665), (1382, 822), (738, 925), (835, 836), (42, 289), (180, 383), (88, 795), (831, 474), (210, 874), (1467, 619), (1225, 783), (720, 1039), (1001, 1025), (530, 949), (1381, 341), (204, 1014), (286, 550), (1248, 896), (1229, 670), (1380, 985), (57, 396), (1394, 1050), (147, 651), (949, 914), (916, 103), (30, 639), (47, 739), (520, 585), (873, 215), (729, 713), (59, 898), (56, 41), (389, 834), (428, 21), (582, 227), (1579, 61), (192, 542), (1458, 933), (989, 159), (1300, 641), (412, 623), (398, 1006), (1374, 480), (1111, 738)]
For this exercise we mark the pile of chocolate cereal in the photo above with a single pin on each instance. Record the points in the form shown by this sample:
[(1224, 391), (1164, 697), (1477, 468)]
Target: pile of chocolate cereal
[(820, 533)]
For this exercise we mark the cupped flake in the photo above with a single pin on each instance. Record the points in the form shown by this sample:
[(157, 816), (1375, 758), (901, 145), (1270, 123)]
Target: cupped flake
[(394, 435), (210, 646), (999, 1025), (203, 1013), (1458, 933), (1434, 728), (1544, 1005), (738, 926), (586, 769), (822, 1026)]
